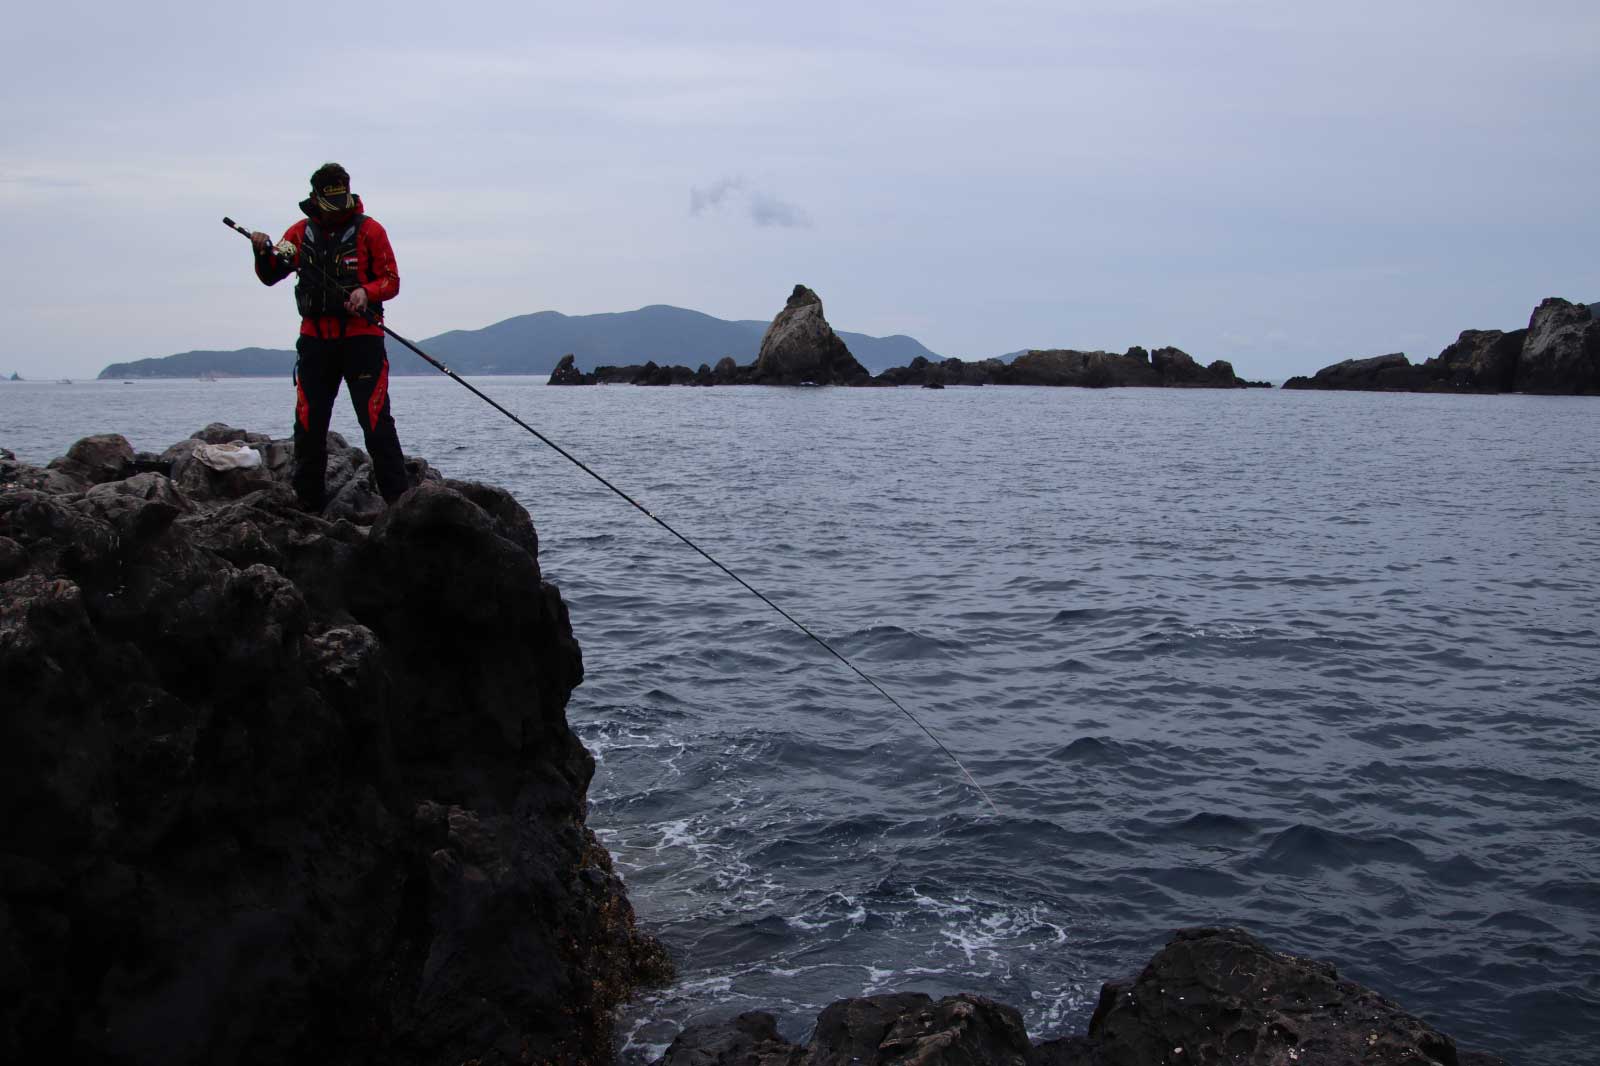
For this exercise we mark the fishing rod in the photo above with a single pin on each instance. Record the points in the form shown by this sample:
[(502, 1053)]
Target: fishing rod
[(376, 320)]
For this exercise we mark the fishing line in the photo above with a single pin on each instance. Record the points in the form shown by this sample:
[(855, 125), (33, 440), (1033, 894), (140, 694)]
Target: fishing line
[(658, 520)]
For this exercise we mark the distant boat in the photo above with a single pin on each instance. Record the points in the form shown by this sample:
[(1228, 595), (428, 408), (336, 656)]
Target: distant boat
[(209, 375), (63, 381)]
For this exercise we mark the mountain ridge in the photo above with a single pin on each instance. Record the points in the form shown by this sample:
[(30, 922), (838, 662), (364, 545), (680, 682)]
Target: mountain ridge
[(533, 343)]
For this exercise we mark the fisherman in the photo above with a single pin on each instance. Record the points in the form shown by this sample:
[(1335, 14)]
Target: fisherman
[(346, 271)]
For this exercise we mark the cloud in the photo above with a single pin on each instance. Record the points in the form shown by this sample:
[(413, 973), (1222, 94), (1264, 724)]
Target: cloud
[(763, 207), (768, 210), (710, 196)]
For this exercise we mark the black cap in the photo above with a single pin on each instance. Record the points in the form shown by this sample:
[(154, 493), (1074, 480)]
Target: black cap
[(330, 189)]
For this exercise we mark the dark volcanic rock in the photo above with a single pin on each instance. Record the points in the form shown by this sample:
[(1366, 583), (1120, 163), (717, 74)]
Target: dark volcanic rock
[(98, 459), (1178, 367), (801, 347), (751, 1039), (1168, 367), (922, 371), (1481, 360), (1219, 995), (903, 1030), (1210, 997), (288, 790), (567, 373), (1381, 372), (1095, 370), (1562, 351), (1559, 353), (1163, 368), (14, 472)]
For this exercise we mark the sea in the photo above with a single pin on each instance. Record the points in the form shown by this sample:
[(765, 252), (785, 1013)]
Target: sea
[(1325, 666)]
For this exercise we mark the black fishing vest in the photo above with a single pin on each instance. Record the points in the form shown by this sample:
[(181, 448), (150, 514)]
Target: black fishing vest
[(328, 270)]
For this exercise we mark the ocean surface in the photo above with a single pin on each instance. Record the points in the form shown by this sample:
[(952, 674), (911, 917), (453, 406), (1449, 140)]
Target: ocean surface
[(1323, 665)]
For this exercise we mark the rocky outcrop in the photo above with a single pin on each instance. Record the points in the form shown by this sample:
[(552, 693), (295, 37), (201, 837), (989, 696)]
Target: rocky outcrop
[(1165, 368), (1222, 996), (904, 1029), (1209, 996), (1481, 360), (801, 348), (1095, 370), (725, 373), (1562, 351), (288, 787), (924, 371), (1559, 353), (1392, 373), (567, 373)]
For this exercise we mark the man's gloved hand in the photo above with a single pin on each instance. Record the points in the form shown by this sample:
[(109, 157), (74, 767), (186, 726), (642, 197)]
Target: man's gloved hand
[(260, 241), (357, 302)]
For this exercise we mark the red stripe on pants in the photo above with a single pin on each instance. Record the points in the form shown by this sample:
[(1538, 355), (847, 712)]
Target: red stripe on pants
[(380, 396)]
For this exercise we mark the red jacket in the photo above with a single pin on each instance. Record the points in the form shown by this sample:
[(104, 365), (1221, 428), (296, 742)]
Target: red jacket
[(375, 270)]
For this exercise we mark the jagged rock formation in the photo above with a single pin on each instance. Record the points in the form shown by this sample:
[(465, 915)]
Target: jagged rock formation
[(291, 788), (567, 372), (1559, 353), (800, 347), (1562, 351), (1210, 996)]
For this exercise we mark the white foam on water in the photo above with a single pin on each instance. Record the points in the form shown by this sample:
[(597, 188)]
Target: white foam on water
[(1048, 1013)]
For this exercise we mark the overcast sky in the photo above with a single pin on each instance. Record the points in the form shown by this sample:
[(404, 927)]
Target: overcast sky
[(1281, 184)]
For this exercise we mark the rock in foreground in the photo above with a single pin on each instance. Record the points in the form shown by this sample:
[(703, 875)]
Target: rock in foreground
[(286, 788), (1210, 997)]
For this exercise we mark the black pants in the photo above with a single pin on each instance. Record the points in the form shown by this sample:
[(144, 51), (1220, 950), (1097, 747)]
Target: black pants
[(363, 365)]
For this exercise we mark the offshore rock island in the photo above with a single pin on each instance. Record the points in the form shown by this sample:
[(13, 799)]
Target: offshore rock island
[(301, 788), (800, 348), (1558, 354)]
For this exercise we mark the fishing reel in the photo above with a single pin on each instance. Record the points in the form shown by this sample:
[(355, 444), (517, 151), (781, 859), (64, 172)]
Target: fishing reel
[(284, 251)]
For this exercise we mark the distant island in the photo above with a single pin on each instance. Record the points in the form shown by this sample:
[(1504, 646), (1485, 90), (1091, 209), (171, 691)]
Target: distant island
[(534, 344)]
